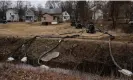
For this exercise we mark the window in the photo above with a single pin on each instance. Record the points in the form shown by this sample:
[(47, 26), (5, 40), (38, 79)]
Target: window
[(65, 13), (12, 16), (54, 17), (44, 18), (64, 17)]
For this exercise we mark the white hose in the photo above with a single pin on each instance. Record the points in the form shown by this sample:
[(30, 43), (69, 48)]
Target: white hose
[(111, 55), (123, 71)]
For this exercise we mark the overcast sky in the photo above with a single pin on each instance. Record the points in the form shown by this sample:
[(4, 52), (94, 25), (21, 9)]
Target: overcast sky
[(33, 2), (36, 2), (42, 2)]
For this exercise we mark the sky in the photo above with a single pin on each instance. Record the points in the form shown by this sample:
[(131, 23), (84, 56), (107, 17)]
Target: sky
[(37, 2), (34, 2), (42, 2)]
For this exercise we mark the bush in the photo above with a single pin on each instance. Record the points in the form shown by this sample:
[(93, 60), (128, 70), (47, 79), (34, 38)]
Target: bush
[(125, 28)]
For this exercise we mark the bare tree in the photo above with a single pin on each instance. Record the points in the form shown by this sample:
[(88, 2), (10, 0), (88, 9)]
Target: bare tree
[(113, 12), (68, 6), (82, 11), (39, 11), (4, 5), (119, 10), (21, 9), (52, 4)]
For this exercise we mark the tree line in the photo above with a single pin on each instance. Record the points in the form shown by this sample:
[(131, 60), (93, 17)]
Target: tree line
[(79, 10), (112, 10), (19, 6)]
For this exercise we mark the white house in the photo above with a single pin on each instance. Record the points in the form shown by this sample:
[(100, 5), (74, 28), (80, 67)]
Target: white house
[(97, 13), (29, 16), (12, 15), (65, 16)]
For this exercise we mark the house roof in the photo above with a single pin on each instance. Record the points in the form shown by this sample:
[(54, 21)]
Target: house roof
[(52, 11), (93, 8), (12, 9), (29, 11)]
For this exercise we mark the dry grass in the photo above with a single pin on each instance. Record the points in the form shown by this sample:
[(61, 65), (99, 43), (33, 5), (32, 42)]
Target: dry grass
[(23, 72), (26, 72), (25, 29)]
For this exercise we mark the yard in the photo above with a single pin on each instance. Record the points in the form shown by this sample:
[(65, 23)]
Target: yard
[(27, 29), (22, 29)]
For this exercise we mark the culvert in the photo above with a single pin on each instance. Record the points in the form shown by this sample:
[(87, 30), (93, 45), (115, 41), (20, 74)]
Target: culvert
[(82, 55)]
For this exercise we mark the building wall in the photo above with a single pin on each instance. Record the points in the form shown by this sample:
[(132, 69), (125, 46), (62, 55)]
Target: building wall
[(48, 18), (12, 15), (66, 16), (29, 16), (97, 15)]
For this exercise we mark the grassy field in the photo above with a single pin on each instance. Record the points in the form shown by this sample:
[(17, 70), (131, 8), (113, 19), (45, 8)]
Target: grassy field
[(22, 29), (25, 29)]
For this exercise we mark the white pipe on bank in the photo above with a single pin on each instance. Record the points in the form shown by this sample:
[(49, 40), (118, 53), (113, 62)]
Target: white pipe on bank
[(123, 71), (24, 59), (10, 59), (126, 72)]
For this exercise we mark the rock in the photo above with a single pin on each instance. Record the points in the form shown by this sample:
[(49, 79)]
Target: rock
[(44, 66), (50, 56)]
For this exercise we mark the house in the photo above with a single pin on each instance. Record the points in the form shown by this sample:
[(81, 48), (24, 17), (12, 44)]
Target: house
[(51, 16), (65, 16), (97, 14), (29, 16), (12, 15)]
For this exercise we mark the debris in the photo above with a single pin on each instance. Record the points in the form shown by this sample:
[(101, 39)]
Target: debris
[(45, 67), (24, 59), (60, 40), (10, 59), (126, 72), (90, 28)]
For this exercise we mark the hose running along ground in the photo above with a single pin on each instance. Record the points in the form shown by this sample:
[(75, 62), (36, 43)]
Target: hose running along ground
[(60, 41), (111, 55)]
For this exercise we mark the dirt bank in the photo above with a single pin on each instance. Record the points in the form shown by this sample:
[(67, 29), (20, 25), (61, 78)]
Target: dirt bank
[(84, 55)]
